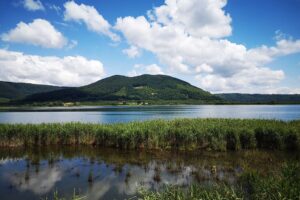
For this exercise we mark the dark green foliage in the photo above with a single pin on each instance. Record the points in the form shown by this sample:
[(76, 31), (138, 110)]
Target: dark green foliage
[(11, 90), (260, 98), (69, 94), (179, 134), (291, 140), (233, 140), (290, 183), (4, 100), (247, 139), (268, 138), (248, 181), (285, 185)]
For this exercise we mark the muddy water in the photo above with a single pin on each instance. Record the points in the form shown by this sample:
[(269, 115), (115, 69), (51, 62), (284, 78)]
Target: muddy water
[(112, 174)]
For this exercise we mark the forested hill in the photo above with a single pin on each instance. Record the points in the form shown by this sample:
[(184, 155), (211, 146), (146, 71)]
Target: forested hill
[(117, 88), (155, 88), (10, 90), (261, 98)]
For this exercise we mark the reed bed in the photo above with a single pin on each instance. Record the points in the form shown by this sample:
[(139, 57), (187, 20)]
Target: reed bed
[(178, 134)]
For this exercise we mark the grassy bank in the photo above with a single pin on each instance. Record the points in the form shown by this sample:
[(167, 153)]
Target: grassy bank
[(180, 134), (284, 185)]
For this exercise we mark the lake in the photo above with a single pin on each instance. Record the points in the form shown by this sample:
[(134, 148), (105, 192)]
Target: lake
[(115, 114), (96, 173)]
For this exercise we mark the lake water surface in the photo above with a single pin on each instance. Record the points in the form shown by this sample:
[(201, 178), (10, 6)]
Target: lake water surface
[(114, 114), (97, 173)]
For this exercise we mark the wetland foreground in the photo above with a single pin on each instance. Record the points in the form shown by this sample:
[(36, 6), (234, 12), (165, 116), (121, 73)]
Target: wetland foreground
[(56, 172), (159, 159)]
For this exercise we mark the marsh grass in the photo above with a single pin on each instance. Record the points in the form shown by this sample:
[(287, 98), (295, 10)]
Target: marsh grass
[(179, 134), (193, 192), (251, 185), (56, 196)]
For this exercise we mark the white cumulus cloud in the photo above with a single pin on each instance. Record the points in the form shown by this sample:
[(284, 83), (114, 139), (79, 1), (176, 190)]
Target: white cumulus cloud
[(204, 68), (90, 17), (189, 37), (40, 32), (65, 71), (139, 69), (132, 52), (33, 5), (197, 17), (153, 69), (257, 80)]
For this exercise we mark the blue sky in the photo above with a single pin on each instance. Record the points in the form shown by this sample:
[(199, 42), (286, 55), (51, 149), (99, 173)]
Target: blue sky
[(237, 46)]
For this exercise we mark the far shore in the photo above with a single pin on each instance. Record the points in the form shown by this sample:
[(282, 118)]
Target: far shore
[(88, 106)]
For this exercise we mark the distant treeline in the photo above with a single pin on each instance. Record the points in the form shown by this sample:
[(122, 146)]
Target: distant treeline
[(260, 98), (180, 134)]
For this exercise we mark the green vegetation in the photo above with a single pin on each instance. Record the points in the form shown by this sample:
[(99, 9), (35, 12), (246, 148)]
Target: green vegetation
[(122, 88), (4, 100), (56, 196), (260, 98), (147, 87), (9, 90), (251, 185), (118, 90), (180, 134), (215, 192)]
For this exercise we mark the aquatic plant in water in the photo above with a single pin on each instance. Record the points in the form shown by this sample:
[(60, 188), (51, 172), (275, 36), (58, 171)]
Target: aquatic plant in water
[(178, 134)]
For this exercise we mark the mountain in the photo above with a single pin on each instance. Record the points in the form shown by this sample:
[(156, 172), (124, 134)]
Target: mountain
[(153, 88), (122, 88), (260, 98), (10, 90)]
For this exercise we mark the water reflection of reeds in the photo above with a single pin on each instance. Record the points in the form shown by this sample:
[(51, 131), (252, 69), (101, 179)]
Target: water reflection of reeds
[(40, 170)]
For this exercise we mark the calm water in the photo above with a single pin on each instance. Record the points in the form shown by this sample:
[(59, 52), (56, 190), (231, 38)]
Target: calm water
[(110, 174), (114, 114)]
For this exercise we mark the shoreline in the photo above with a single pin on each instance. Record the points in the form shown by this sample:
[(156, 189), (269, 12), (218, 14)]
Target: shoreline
[(133, 103), (100, 107), (179, 134)]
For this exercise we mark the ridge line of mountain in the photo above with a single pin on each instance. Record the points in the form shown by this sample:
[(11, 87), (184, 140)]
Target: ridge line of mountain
[(139, 88)]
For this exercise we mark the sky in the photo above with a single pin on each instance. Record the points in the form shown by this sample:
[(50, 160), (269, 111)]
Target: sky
[(223, 46)]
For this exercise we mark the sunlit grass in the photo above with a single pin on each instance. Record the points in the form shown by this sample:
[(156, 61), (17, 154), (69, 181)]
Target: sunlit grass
[(179, 134)]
